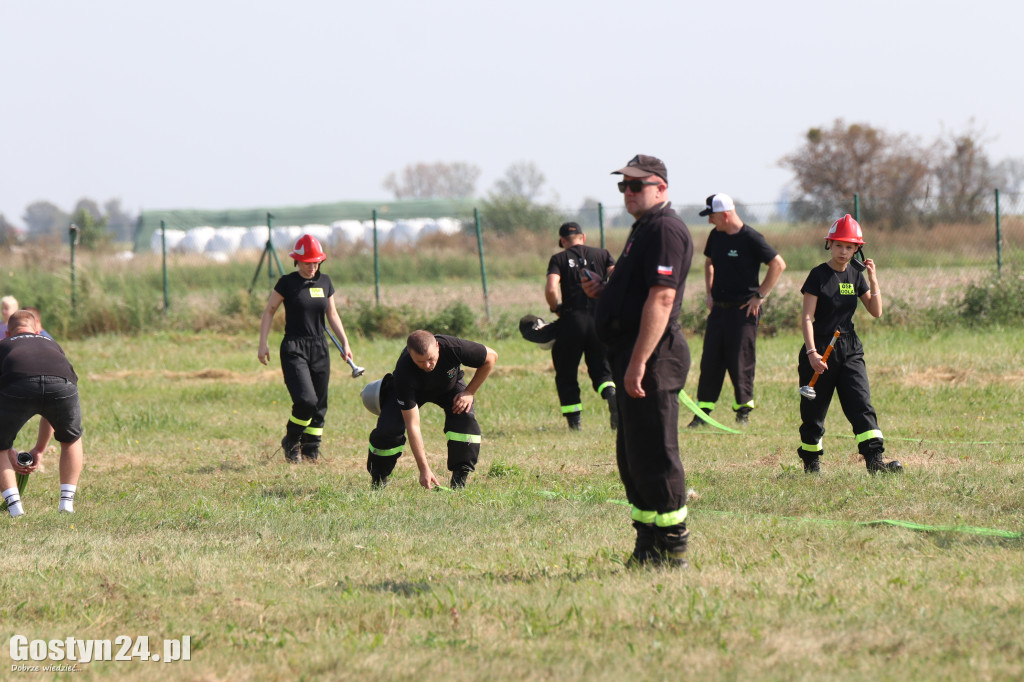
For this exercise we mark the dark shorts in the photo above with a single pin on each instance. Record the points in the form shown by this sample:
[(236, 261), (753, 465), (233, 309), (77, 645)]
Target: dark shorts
[(53, 398)]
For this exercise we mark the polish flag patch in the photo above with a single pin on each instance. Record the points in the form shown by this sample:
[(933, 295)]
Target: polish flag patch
[(665, 270)]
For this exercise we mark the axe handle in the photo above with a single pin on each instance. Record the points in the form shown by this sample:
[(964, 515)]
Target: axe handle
[(824, 357)]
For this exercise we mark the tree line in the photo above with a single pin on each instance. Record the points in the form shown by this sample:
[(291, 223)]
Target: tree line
[(901, 181)]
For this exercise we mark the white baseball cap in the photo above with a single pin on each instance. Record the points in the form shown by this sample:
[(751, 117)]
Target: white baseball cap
[(716, 203)]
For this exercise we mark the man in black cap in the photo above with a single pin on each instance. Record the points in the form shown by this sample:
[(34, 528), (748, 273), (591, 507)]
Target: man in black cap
[(637, 317), (576, 335), (733, 256)]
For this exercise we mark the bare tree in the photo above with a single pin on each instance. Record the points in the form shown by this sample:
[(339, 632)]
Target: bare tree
[(834, 164), (964, 175), (522, 179), (456, 180)]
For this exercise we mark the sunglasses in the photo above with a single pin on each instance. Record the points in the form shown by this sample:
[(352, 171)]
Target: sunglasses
[(634, 186)]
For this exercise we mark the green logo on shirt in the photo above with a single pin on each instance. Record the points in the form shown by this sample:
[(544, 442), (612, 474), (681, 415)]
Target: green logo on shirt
[(316, 293), (846, 289)]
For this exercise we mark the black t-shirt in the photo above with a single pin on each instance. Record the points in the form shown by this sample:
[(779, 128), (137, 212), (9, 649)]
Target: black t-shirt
[(27, 355), (657, 253), (737, 261), (305, 303), (569, 263), (414, 387), (838, 293)]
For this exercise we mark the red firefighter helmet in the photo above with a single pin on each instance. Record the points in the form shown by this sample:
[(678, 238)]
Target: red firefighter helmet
[(308, 250), (846, 229)]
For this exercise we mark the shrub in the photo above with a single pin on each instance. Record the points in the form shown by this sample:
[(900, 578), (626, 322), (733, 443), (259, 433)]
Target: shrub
[(1000, 301)]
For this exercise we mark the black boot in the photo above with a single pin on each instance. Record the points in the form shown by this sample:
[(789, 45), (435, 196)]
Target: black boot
[(378, 482), (613, 406), (876, 465), (459, 477), (671, 543), (291, 442), (574, 420), (644, 552), (743, 415), (811, 461), (311, 452), (872, 450), (697, 421)]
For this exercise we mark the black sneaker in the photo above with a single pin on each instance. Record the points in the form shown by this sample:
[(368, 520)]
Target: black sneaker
[(613, 407), (575, 420), (459, 477), (291, 450), (379, 482)]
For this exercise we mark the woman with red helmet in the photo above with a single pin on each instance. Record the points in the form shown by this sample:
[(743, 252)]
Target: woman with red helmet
[(308, 297), (831, 292)]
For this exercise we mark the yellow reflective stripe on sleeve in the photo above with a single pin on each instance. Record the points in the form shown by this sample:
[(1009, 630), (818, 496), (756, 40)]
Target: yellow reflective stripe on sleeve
[(566, 409), (313, 431), (867, 435), (463, 437), (670, 518), (706, 406), (387, 453), (643, 516), (600, 389), (813, 447), (300, 422)]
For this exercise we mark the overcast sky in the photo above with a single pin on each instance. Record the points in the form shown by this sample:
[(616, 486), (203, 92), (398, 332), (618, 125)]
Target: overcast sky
[(235, 104)]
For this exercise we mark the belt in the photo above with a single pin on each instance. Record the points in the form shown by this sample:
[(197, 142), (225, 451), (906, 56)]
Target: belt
[(729, 304)]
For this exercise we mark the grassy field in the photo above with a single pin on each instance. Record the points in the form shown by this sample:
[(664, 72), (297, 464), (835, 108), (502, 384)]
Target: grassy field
[(189, 523)]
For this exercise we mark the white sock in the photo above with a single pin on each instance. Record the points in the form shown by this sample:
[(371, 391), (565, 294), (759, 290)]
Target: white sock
[(67, 497), (13, 500)]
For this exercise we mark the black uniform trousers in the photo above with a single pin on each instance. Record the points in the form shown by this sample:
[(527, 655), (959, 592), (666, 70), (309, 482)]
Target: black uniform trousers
[(847, 377), (730, 345), (306, 365), (647, 439), (577, 337), (387, 440)]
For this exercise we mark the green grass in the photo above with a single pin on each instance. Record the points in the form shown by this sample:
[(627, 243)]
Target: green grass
[(189, 523)]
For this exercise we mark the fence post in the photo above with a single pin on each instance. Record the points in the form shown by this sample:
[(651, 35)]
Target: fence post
[(483, 268), (999, 240), (163, 249), (600, 221), (856, 207), (73, 240), (376, 259)]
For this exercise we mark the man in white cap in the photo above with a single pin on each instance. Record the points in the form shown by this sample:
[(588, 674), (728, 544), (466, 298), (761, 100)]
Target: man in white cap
[(732, 265)]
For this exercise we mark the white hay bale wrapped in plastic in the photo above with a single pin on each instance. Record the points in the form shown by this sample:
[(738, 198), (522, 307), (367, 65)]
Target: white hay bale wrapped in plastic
[(174, 238), (254, 239), (285, 237), (347, 232), (384, 228), (408, 231), (196, 239), (321, 232), (448, 225), (226, 240)]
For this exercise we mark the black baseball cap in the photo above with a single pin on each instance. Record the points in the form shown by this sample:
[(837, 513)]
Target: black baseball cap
[(567, 229), (641, 165)]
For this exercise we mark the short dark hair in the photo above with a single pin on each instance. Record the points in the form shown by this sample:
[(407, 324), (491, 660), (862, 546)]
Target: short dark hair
[(420, 342)]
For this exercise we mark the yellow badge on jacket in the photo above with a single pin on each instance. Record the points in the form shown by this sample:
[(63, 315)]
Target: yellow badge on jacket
[(846, 289), (316, 293)]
